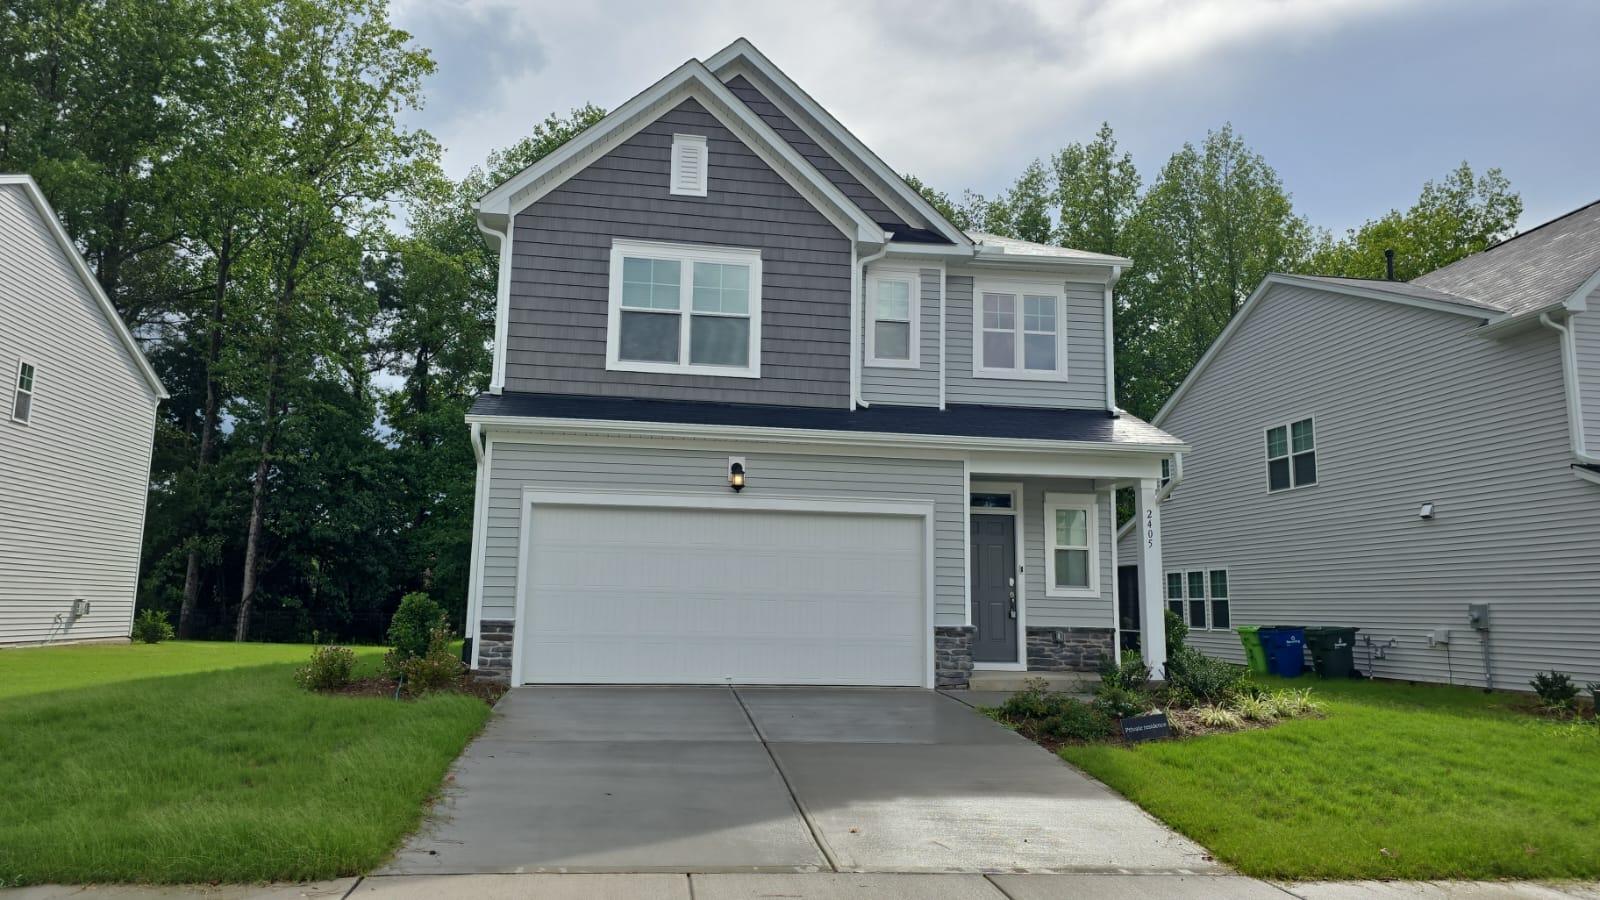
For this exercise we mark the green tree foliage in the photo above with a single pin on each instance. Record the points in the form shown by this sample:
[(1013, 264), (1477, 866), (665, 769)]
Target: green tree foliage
[(1097, 193), (1457, 216)]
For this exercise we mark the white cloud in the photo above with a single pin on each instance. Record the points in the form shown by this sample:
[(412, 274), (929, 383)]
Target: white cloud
[(946, 89)]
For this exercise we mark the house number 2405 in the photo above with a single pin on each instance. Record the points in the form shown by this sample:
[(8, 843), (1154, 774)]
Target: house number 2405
[(1150, 528)]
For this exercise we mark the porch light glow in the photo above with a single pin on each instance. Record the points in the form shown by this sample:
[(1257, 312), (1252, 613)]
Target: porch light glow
[(736, 476)]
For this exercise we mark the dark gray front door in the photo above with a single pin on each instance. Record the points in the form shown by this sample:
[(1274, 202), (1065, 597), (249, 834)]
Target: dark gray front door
[(994, 588)]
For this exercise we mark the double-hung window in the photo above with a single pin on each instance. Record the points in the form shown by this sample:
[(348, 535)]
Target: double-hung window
[(22, 399), (1291, 456), (1071, 558), (1200, 597), (1019, 331), (683, 308), (1197, 599), (1175, 593), (894, 332)]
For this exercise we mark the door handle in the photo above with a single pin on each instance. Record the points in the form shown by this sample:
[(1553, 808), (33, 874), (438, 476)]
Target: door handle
[(1013, 611)]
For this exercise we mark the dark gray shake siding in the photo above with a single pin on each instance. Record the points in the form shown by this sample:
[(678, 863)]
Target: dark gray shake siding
[(824, 162), (908, 387), (556, 336), (1085, 387)]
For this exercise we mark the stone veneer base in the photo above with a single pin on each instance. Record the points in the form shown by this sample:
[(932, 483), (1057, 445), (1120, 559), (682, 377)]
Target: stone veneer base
[(1068, 649), (493, 650), (952, 656)]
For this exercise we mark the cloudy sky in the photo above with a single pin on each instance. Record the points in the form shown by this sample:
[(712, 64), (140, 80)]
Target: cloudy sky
[(1355, 102)]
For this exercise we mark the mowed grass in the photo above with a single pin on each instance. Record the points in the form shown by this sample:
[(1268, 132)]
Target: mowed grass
[(1398, 781), (191, 762)]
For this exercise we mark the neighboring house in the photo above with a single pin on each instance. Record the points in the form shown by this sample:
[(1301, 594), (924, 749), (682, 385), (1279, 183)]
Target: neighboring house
[(76, 433), (1386, 455), (738, 430)]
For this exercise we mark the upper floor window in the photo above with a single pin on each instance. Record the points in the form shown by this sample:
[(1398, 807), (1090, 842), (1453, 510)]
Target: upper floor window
[(22, 401), (893, 334), (1019, 331), (1291, 456), (684, 308), (1071, 542), (690, 162)]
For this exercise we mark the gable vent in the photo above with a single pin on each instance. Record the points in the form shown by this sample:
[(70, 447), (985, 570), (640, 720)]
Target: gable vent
[(689, 164)]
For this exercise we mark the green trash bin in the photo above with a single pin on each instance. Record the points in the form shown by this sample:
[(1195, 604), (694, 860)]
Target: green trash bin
[(1333, 650), (1255, 656)]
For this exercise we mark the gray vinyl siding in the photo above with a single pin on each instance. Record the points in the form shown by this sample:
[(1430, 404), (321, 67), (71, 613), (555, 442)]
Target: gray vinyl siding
[(1064, 612), (556, 335), (515, 465), (908, 387), (73, 481), (1586, 341), (1085, 387), (824, 162), (1410, 405)]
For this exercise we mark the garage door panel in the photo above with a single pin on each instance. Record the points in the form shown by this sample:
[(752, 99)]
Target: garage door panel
[(625, 595)]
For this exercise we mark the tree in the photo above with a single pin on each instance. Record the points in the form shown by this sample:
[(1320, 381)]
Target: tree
[(940, 201), (1454, 217), (1097, 192)]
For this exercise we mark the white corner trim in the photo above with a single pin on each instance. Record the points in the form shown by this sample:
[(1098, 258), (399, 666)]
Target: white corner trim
[(1018, 288), (483, 450), (876, 275), (686, 255), (47, 214), (1053, 503)]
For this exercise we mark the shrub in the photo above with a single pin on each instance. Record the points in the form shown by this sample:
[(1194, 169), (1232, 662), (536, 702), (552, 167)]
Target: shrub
[(435, 669), (1034, 701), (1118, 702), (1594, 698), (330, 668), (412, 626), (1555, 690), (152, 627), (1292, 703), (1130, 673), (1177, 634), (1256, 709), (1194, 677), (1076, 721), (1217, 717)]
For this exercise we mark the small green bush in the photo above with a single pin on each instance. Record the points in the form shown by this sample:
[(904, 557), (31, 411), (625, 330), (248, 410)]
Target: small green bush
[(1118, 702), (1034, 701), (330, 668), (1130, 673), (1291, 703), (413, 624), (1193, 677), (437, 668), (1077, 721), (1256, 709), (1177, 634), (152, 627), (1555, 690), (1217, 717)]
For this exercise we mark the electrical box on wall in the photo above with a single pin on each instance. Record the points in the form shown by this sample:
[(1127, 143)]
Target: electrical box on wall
[(1438, 637), (1478, 616)]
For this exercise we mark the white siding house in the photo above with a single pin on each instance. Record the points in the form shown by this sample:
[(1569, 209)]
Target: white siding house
[(77, 418), (1447, 462)]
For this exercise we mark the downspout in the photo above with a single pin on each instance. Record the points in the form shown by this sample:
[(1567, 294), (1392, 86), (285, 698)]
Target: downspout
[(502, 302), (474, 564), (1111, 358), (858, 305), (1569, 372)]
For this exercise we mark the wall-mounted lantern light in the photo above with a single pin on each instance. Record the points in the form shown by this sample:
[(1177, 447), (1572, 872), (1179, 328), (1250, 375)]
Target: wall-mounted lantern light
[(736, 473), (1427, 509)]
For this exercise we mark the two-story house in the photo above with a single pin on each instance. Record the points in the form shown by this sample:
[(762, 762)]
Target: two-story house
[(760, 414), (77, 424), (1420, 460)]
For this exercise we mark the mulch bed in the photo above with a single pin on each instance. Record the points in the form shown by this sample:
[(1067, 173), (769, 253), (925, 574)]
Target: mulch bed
[(383, 686), (1185, 724)]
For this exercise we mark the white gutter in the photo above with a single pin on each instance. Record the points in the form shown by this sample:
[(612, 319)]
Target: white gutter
[(1569, 372), (858, 303), (1111, 357), (502, 302)]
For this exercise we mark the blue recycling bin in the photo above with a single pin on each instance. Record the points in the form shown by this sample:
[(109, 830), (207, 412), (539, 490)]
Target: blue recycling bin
[(1286, 650)]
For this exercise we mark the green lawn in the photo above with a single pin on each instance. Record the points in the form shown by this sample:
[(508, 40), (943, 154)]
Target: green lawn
[(188, 762), (1397, 782)]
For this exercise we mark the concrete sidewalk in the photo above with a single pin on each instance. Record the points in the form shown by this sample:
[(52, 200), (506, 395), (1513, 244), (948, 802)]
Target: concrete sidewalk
[(822, 886)]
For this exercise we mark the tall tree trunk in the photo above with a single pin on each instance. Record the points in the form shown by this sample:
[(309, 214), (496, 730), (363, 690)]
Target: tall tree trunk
[(208, 423)]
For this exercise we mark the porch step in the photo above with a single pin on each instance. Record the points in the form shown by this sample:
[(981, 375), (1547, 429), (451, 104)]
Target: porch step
[(1065, 682)]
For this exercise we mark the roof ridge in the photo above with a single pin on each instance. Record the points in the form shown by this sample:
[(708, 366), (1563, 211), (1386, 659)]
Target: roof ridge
[(1519, 235)]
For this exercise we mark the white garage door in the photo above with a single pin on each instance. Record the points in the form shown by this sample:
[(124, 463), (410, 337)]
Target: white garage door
[(633, 595)]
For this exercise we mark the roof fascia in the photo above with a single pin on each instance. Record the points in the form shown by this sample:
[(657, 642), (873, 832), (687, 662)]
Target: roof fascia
[(90, 283), (743, 50)]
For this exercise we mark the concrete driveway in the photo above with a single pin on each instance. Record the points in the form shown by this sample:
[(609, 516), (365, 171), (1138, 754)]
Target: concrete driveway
[(716, 779)]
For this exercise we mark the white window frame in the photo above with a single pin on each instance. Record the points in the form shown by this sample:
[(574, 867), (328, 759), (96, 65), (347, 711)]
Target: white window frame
[(1206, 597), (1018, 289), (1212, 598), (1182, 611), (1288, 432), (1054, 503), (681, 143), (686, 255), (914, 278), (17, 389)]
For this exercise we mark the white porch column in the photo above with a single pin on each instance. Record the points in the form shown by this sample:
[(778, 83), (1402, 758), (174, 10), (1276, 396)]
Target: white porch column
[(1152, 590)]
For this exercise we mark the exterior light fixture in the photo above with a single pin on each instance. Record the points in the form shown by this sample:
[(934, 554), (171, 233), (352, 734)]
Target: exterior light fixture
[(1427, 509), (736, 473)]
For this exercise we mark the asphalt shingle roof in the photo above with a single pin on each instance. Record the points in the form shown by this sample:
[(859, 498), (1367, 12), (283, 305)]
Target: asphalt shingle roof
[(1538, 268), (1399, 289), (958, 420)]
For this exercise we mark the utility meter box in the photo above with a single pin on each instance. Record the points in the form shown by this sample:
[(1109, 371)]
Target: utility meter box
[(1438, 637), (1478, 616)]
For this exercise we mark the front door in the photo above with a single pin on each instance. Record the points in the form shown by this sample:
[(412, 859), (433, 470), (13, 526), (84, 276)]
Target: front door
[(994, 588)]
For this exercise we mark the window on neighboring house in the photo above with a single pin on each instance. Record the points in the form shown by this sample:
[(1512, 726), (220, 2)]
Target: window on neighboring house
[(1218, 582), (22, 401), (1018, 331), (1197, 599), (1291, 456), (680, 308), (1175, 593), (1072, 541), (1166, 471), (893, 333), (1200, 597), (689, 164)]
